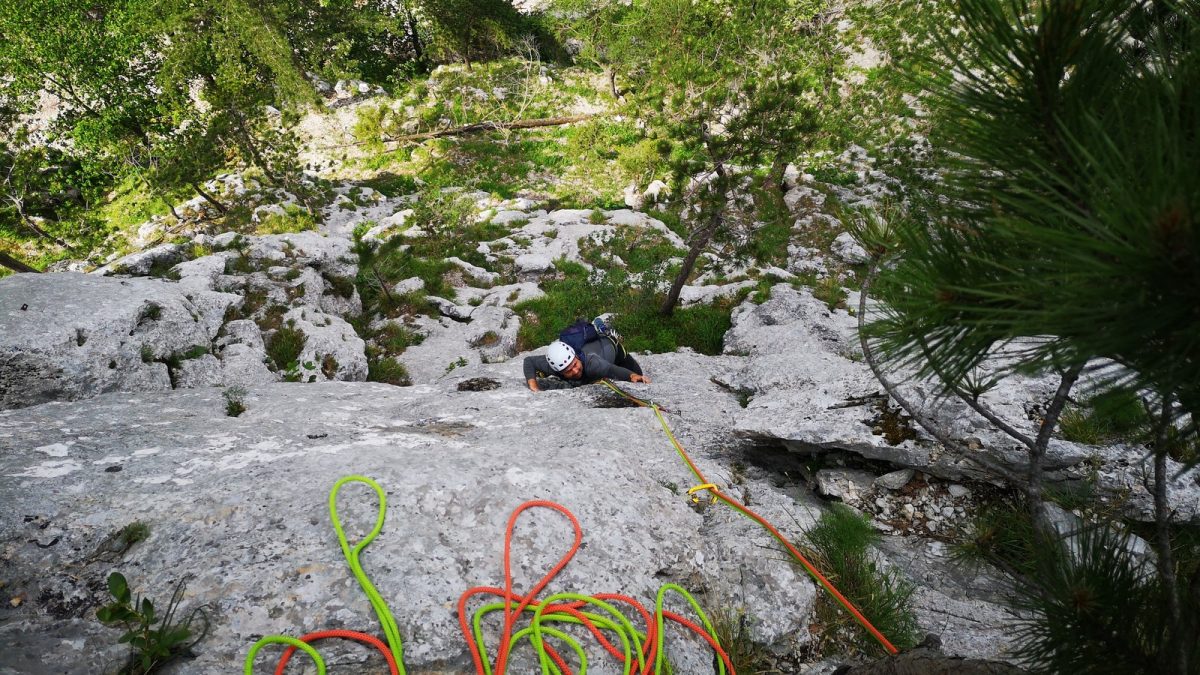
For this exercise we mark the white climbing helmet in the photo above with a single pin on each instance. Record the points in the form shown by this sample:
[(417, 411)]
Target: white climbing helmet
[(560, 355)]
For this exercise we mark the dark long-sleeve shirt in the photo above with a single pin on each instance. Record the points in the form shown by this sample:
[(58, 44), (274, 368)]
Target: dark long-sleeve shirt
[(598, 363)]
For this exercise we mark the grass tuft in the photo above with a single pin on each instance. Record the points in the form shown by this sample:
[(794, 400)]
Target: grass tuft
[(285, 345), (389, 371), (840, 541)]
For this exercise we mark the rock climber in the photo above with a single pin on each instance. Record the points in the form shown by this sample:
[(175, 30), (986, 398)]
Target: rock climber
[(562, 368)]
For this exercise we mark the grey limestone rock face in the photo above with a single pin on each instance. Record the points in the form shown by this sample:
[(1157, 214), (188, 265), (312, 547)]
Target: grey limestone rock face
[(82, 335), (509, 295), (698, 295), (204, 371), (849, 250), (331, 346), (142, 262), (494, 333), (240, 504), (245, 365), (809, 390)]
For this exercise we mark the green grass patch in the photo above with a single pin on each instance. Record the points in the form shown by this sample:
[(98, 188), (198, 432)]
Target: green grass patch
[(840, 541), (643, 249), (1109, 417), (285, 345), (394, 338), (391, 184), (295, 220), (389, 371), (576, 295)]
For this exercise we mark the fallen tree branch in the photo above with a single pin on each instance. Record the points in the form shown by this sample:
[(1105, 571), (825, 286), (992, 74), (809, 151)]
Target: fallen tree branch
[(15, 265), (472, 129), (490, 126)]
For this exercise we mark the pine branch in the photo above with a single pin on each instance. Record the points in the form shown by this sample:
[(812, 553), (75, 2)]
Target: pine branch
[(915, 413)]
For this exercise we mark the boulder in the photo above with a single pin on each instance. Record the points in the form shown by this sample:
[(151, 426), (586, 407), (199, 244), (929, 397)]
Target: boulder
[(202, 273), (509, 294), (810, 391), (844, 484), (897, 479), (474, 272), (494, 333), (333, 349), (202, 371), (244, 366), (140, 264), (69, 336), (409, 285), (848, 250), (703, 295), (533, 263)]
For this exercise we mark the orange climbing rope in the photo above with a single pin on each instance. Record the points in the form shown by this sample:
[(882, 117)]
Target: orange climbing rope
[(746, 511), (515, 604), (346, 634)]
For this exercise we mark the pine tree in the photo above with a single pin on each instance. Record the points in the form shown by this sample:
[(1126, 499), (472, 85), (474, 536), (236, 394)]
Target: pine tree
[(1068, 209)]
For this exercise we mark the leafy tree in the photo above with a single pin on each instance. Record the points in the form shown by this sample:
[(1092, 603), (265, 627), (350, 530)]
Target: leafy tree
[(729, 84), (95, 59), (1067, 213), (472, 29)]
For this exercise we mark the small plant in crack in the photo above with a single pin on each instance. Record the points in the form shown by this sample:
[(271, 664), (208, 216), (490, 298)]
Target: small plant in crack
[(235, 401), (153, 641)]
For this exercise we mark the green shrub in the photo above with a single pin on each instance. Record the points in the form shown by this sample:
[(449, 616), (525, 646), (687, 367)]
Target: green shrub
[(1108, 417), (295, 220), (733, 633), (342, 287), (193, 352), (329, 366), (154, 639), (1090, 608), (391, 184), (361, 229), (840, 541), (285, 345), (234, 401), (643, 161), (389, 371), (701, 327), (829, 291), (394, 338)]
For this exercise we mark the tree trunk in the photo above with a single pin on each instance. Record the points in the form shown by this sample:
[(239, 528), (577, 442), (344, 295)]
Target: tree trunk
[(414, 40), (612, 83), (1177, 639), (25, 220), (1037, 452), (19, 205), (208, 198), (15, 265), (700, 241), (490, 126)]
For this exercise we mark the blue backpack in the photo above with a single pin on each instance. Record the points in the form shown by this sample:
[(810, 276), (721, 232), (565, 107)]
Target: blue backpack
[(578, 334)]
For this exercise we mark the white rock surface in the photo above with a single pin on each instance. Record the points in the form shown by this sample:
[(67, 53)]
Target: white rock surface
[(331, 346), (241, 503), (848, 250), (81, 335), (140, 264)]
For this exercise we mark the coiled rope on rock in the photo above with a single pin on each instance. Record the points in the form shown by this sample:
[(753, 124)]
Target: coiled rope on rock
[(641, 652)]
